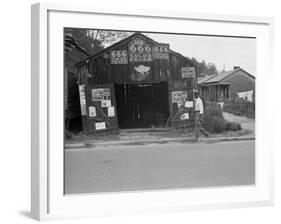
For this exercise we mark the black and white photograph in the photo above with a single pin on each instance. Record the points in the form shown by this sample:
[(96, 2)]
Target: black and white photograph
[(147, 111)]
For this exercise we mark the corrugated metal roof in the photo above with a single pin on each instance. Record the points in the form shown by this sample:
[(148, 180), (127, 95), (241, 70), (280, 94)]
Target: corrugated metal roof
[(221, 76), (205, 78)]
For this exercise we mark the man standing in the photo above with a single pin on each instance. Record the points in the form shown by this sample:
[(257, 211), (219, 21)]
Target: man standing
[(198, 114)]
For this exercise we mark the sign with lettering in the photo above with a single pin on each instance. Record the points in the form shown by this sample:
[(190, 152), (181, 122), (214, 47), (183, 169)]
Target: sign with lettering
[(179, 96), (82, 99), (100, 125), (187, 72), (106, 103), (188, 104), (111, 111), (92, 111), (160, 51), (119, 57), (185, 116), (100, 94), (140, 51)]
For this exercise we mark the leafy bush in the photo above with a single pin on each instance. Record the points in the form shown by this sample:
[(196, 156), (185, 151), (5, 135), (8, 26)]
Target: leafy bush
[(214, 124), (214, 121), (232, 126)]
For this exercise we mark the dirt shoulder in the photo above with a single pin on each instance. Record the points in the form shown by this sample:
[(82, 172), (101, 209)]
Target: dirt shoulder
[(146, 136)]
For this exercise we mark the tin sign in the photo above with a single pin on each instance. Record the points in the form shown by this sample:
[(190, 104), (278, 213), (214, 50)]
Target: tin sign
[(188, 72), (161, 51), (179, 96), (119, 57), (100, 94)]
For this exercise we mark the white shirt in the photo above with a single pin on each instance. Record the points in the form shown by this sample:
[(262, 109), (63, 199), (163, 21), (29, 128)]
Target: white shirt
[(198, 105)]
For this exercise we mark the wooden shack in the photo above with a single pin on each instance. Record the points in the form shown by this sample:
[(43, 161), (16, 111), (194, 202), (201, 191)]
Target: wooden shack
[(135, 83)]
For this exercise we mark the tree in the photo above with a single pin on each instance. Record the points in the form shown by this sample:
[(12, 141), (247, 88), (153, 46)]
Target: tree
[(203, 68), (96, 40)]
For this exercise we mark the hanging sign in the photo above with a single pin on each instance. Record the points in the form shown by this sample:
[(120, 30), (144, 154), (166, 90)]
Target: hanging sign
[(179, 96), (160, 51), (140, 51), (100, 94), (119, 57), (188, 104), (82, 99), (187, 72)]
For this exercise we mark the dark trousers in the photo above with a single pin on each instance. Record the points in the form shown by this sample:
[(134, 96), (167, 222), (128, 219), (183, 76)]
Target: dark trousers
[(198, 125)]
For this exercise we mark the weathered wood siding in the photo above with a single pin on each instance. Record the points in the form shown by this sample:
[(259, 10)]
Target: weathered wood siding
[(103, 71), (149, 103)]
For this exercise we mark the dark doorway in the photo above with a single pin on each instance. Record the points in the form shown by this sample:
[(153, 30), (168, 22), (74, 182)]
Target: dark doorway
[(143, 105), (72, 114)]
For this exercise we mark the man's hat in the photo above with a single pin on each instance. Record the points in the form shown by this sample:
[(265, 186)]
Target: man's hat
[(195, 91)]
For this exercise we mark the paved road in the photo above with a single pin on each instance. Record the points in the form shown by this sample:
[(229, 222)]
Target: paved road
[(159, 167)]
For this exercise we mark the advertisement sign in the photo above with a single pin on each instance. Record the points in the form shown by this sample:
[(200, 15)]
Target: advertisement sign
[(160, 51), (179, 96), (185, 116), (106, 103), (141, 72), (119, 57), (111, 111), (188, 104), (100, 94), (100, 125), (82, 99), (187, 72), (140, 51), (92, 111)]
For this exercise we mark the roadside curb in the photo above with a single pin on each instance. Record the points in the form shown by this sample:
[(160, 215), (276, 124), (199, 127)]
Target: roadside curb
[(161, 141)]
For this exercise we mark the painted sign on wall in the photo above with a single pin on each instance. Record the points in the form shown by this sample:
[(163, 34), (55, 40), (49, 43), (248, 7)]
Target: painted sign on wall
[(160, 51), (140, 51), (141, 72), (119, 57)]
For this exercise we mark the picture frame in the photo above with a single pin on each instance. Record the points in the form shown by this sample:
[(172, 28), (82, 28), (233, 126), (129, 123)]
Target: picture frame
[(47, 194)]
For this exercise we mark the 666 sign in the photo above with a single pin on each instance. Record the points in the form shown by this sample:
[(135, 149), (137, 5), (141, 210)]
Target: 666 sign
[(160, 51), (139, 51), (119, 57), (140, 48)]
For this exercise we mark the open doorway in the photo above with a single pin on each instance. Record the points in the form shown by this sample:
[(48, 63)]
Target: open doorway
[(144, 105)]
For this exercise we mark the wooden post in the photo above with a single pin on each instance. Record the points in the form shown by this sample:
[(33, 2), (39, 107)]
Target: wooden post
[(83, 106)]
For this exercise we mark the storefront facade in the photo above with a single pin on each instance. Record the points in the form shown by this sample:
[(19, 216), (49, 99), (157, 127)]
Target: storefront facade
[(135, 83)]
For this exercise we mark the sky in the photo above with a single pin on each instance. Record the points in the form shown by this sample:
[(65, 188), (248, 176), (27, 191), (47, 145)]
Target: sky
[(223, 51)]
